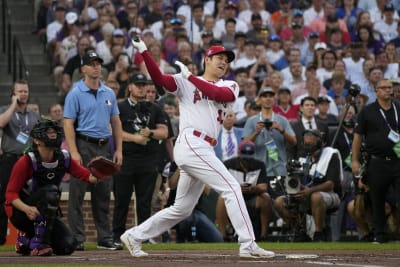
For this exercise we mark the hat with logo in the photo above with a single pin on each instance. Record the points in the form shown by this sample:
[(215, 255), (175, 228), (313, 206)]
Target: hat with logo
[(320, 45), (266, 90), (138, 78), (71, 17), (297, 12), (218, 49), (313, 35), (246, 149), (388, 7), (296, 24), (118, 32), (323, 99), (90, 56), (230, 4), (274, 37)]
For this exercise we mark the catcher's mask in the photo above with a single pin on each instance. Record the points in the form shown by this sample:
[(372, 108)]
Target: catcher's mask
[(40, 129)]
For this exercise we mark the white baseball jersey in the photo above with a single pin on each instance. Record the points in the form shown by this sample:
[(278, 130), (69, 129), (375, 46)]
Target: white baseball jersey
[(197, 111)]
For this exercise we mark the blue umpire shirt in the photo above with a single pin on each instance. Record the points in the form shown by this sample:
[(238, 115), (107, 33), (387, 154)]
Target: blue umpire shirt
[(93, 113)]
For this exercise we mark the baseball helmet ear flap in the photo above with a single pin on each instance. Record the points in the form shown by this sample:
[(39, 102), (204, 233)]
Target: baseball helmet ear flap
[(315, 133)]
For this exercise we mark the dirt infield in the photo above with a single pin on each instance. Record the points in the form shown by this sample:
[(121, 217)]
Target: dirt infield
[(195, 258)]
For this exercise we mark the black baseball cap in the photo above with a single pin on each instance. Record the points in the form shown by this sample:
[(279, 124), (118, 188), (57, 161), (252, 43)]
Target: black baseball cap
[(255, 16), (138, 78), (266, 90), (90, 56), (247, 149), (323, 99), (388, 7)]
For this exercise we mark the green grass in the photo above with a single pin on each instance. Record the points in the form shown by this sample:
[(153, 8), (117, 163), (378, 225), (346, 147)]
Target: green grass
[(267, 245)]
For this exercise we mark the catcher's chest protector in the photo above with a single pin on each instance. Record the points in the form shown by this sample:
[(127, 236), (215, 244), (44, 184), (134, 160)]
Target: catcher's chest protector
[(44, 175)]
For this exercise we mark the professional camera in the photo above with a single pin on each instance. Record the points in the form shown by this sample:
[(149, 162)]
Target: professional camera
[(354, 89), (268, 123), (293, 181)]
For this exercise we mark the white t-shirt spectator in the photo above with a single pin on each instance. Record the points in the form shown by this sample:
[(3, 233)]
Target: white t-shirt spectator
[(354, 70), (310, 14), (245, 16), (272, 56), (388, 32)]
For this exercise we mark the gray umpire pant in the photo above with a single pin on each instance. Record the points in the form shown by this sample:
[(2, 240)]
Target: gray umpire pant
[(100, 196)]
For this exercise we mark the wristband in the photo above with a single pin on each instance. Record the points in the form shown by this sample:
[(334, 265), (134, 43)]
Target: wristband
[(151, 134)]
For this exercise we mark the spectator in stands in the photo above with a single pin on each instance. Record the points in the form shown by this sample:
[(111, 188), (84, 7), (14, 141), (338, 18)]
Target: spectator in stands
[(87, 132), (338, 91), (228, 37), (274, 51), (378, 13), (230, 12), (121, 73), (103, 48), (52, 29), (294, 56), (320, 24), (228, 139), (240, 39), (340, 66), (249, 91), (16, 121), (375, 74), (251, 175), (155, 12), (275, 81), (320, 193), (271, 133), (348, 11), (299, 39), (365, 35), (284, 105), (127, 15), (75, 62), (144, 126), (335, 42), (309, 56), (249, 55), (262, 67), (307, 121), (282, 18), (56, 113), (354, 63), (297, 17), (295, 76), (105, 13), (255, 7), (314, 90), (323, 111), (316, 10), (390, 71), (328, 59)]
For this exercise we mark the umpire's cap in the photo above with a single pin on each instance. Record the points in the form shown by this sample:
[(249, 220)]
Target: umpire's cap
[(90, 56), (218, 49)]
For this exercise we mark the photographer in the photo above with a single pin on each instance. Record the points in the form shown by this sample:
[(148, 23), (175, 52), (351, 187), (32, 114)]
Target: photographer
[(271, 133), (320, 191)]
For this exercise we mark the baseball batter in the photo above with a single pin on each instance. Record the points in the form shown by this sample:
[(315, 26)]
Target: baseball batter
[(203, 102)]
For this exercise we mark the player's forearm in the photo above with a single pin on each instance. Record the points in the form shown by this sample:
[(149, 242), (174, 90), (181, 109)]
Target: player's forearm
[(222, 94), (356, 146), (69, 132), (167, 81)]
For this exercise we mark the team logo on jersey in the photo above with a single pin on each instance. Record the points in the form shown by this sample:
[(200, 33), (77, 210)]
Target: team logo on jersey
[(196, 96)]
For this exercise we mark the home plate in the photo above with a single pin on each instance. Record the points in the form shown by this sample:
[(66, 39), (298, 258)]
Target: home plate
[(296, 256)]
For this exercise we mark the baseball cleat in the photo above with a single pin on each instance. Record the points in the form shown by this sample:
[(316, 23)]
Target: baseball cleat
[(257, 252), (134, 246)]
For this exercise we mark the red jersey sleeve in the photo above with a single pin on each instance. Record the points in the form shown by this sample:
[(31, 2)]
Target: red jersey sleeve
[(20, 174), (78, 171)]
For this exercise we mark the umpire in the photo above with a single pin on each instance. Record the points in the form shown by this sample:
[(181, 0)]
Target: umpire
[(378, 126), (144, 127)]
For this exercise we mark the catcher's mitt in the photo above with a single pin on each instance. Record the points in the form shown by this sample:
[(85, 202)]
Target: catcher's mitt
[(102, 167)]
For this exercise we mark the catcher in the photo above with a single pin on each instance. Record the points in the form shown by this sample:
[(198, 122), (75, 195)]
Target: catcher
[(33, 193)]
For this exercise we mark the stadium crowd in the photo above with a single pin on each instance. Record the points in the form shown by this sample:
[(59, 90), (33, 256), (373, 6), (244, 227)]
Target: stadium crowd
[(305, 70)]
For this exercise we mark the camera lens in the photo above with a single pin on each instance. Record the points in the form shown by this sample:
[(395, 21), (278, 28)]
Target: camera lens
[(293, 183)]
